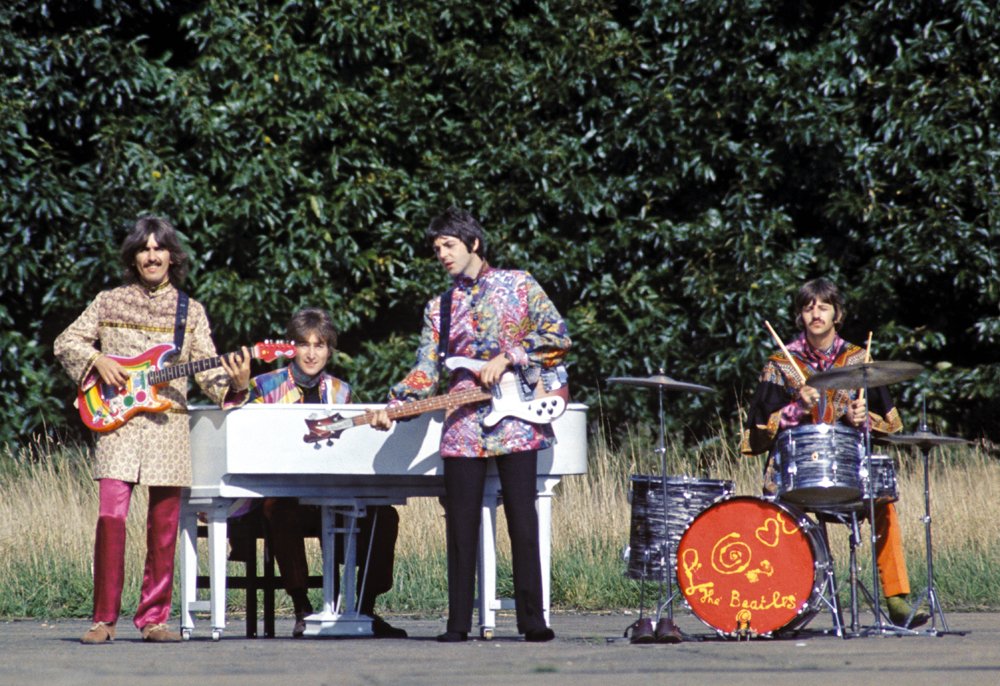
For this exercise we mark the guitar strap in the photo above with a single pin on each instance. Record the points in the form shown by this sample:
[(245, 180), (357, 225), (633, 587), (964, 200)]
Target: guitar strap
[(445, 329), (180, 321)]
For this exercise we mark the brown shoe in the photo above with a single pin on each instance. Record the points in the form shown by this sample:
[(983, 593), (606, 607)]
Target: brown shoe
[(101, 632), (667, 632), (159, 633), (642, 631)]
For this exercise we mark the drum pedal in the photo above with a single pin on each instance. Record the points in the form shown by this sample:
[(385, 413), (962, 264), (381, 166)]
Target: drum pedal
[(743, 632)]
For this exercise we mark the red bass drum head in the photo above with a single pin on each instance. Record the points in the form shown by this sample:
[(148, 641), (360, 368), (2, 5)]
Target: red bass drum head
[(747, 566)]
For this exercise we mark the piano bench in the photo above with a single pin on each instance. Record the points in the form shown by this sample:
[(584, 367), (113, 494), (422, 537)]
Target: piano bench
[(243, 533)]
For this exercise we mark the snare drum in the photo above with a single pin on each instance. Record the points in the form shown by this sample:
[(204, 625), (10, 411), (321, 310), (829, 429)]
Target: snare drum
[(884, 485), (650, 530), (752, 567), (819, 465)]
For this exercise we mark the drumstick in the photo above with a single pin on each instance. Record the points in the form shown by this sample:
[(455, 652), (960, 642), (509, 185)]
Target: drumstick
[(868, 358), (781, 345)]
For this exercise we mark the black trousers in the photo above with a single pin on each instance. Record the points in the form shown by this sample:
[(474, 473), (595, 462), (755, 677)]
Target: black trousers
[(288, 523), (464, 481)]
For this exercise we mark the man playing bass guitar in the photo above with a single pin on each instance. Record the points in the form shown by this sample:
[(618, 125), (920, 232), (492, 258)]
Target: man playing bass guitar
[(503, 320)]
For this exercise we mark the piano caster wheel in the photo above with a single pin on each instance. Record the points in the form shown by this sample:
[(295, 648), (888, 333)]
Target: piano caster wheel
[(216, 634), (486, 633), (185, 634)]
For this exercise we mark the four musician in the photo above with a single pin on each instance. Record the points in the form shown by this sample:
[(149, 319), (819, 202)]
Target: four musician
[(500, 319), (782, 402)]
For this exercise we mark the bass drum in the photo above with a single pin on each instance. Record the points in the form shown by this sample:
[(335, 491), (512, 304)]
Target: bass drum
[(752, 567)]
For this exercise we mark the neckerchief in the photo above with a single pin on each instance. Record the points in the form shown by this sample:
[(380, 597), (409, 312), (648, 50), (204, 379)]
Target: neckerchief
[(304, 380), (815, 358)]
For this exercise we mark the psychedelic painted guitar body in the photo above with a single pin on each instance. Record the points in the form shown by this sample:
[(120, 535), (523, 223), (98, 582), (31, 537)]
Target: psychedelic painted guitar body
[(105, 408)]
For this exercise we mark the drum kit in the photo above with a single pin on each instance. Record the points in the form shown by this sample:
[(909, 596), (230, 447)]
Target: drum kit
[(757, 566)]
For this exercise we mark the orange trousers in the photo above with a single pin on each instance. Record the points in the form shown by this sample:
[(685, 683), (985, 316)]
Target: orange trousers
[(889, 551)]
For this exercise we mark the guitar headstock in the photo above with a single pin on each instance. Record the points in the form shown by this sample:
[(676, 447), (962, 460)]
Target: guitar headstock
[(322, 430), (269, 351)]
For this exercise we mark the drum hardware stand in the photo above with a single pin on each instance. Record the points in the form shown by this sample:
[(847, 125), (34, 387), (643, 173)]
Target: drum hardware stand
[(661, 382), (930, 593), (828, 591), (855, 583), (929, 440), (881, 627)]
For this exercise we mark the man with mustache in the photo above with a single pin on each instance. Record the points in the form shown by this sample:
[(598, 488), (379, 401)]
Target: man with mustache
[(152, 448), (782, 402)]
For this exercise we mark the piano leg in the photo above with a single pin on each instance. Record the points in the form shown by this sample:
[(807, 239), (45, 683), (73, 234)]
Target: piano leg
[(217, 540), (545, 488), (189, 567), (339, 616), (487, 570)]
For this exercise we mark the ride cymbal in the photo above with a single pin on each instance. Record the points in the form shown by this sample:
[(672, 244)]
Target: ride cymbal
[(659, 381), (870, 374), (921, 439)]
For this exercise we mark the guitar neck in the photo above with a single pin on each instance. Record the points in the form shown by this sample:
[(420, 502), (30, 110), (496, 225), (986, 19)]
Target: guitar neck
[(186, 369), (413, 408)]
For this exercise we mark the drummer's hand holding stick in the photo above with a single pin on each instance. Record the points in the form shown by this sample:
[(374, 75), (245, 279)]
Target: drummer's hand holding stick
[(856, 414), (808, 396)]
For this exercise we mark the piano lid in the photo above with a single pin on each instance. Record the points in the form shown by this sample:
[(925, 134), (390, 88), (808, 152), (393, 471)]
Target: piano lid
[(267, 440)]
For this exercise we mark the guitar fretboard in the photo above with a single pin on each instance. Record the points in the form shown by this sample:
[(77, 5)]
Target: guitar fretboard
[(186, 369), (412, 408)]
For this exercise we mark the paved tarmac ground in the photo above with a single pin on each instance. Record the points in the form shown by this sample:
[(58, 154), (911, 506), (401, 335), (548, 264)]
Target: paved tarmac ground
[(588, 649)]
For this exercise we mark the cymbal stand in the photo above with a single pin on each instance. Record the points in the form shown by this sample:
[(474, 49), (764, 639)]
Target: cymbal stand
[(930, 593), (661, 448), (881, 627), (856, 584)]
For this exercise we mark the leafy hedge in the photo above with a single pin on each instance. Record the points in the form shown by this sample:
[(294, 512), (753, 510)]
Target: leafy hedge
[(670, 171)]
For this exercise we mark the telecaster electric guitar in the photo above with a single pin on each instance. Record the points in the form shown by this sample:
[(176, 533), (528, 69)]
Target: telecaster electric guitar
[(506, 397), (105, 408)]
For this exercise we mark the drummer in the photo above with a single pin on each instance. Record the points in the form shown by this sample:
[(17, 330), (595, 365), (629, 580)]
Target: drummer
[(781, 402)]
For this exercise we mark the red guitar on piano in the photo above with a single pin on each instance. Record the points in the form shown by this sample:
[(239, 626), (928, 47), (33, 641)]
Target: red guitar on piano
[(506, 397), (105, 408)]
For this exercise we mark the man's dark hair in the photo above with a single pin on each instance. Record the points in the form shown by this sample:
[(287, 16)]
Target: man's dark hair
[(166, 237), (312, 320), (822, 290), (460, 224)]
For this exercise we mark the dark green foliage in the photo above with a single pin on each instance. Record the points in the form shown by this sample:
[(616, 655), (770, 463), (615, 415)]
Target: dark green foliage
[(670, 171)]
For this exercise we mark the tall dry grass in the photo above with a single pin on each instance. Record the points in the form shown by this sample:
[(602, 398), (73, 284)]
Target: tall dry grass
[(48, 508)]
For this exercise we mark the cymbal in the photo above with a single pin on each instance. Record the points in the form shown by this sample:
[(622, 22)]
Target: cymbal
[(921, 439), (857, 375), (659, 381)]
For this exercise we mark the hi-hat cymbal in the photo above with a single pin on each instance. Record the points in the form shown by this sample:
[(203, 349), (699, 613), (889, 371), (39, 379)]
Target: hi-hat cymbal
[(659, 381), (921, 439), (869, 374)]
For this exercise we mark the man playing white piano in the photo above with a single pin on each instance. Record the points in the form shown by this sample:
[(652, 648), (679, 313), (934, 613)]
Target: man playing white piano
[(306, 381)]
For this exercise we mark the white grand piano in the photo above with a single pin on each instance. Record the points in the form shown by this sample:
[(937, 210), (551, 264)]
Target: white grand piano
[(258, 451)]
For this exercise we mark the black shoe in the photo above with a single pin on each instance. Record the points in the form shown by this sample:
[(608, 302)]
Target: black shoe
[(453, 637), (382, 629), (539, 635)]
